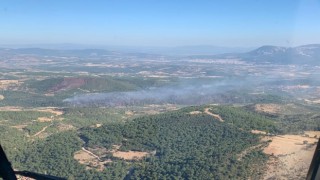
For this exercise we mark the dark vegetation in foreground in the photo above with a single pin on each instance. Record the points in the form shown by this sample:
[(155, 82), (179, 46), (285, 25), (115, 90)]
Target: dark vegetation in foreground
[(184, 146), (187, 146)]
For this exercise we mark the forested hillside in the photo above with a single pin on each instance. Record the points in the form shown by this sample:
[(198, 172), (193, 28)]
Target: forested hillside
[(180, 145), (187, 146)]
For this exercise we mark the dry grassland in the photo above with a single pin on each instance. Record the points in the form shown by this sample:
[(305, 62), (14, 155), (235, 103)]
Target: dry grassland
[(291, 156)]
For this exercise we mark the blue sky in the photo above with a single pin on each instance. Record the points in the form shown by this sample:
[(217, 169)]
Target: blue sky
[(244, 23)]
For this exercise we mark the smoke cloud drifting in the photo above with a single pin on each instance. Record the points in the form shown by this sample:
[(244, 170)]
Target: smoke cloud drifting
[(192, 93)]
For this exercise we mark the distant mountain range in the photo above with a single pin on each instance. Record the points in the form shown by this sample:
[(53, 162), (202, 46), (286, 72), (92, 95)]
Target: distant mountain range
[(306, 54), (171, 51), (81, 53)]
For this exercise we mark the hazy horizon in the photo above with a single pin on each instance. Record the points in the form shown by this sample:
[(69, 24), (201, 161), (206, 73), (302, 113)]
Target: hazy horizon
[(157, 50)]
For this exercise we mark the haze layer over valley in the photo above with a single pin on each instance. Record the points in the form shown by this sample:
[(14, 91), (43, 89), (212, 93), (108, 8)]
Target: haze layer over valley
[(105, 114)]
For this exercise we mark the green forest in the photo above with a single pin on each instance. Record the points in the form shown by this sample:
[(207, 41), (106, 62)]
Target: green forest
[(181, 146)]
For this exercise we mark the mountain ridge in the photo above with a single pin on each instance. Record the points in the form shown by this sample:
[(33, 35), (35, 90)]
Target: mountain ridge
[(304, 54), (309, 54)]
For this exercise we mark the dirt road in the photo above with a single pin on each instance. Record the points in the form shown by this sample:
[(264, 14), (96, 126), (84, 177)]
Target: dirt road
[(216, 116)]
